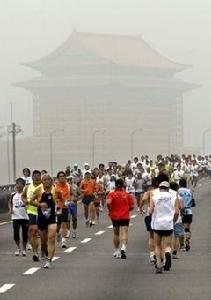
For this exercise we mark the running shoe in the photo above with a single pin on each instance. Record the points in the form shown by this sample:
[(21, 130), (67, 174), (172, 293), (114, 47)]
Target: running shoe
[(152, 258), (68, 234), (123, 254), (74, 235), (167, 265), (24, 252), (159, 270), (17, 252), (47, 264), (64, 243), (29, 247), (58, 237), (35, 257), (117, 254), (187, 245)]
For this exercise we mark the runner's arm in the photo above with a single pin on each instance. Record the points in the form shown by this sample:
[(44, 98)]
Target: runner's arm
[(177, 209)]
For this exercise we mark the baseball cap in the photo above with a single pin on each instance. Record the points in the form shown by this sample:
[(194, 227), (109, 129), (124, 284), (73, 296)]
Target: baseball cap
[(164, 184)]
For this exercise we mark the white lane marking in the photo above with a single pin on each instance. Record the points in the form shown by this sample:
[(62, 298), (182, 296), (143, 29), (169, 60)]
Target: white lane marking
[(55, 258), (133, 216), (100, 232), (4, 223), (110, 226), (85, 240), (131, 224), (31, 271), (69, 250), (5, 287)]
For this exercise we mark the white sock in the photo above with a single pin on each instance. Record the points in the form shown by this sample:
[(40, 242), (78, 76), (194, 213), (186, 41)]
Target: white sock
[(123, 247)]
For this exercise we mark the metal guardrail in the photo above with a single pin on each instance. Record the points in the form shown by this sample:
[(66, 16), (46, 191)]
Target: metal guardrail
[(8, 188)]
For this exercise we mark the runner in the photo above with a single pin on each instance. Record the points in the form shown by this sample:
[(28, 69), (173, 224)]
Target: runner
[(187, 216), (44, 198), (64, 189), (145, 200), (32, 213), (87, 188), (72, 205), (178, 242), (20, 219), (119, 204), (164, 211)]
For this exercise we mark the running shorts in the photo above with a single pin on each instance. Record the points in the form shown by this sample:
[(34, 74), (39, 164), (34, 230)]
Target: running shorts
[(119, 223), (42, 225), (88, 199), (73, 210), (187, 219), (178, 230), (163, 232), (32, 219)]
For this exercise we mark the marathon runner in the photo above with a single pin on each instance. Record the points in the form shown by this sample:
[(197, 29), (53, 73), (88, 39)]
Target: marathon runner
[(20, 219)]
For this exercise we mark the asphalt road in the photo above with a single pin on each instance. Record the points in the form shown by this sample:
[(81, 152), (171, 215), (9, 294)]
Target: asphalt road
[(90, 272)]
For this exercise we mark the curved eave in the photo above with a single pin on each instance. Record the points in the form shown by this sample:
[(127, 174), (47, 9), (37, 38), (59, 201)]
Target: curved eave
[(105, 81)]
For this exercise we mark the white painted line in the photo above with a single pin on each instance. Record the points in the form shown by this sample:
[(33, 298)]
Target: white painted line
[(55, 258), (133, 216), (71, 249), (31, 271), (110, 227), (6, 287), (100, 232), (4, 223), (85, 240), (131, 224)]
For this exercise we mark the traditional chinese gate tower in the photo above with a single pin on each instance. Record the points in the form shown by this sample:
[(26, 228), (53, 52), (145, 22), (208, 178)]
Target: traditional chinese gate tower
[(112, 82)]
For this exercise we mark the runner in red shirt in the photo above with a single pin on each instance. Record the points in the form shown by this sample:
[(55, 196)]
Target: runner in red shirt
[(119, 204)]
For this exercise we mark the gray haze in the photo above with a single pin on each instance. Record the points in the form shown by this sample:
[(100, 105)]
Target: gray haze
[(178, 29)]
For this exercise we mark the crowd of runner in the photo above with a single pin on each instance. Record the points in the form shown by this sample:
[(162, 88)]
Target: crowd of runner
[(45, 208)]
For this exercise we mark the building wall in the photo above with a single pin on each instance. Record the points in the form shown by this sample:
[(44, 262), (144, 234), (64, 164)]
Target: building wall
[(117, 109)]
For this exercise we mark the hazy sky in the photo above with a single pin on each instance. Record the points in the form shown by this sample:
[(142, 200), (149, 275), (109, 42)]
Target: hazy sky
[(179, 29)]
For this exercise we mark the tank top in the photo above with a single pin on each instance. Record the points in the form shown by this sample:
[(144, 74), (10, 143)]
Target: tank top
[(18, 208), (50, 212), (164, 209), (30, 208)]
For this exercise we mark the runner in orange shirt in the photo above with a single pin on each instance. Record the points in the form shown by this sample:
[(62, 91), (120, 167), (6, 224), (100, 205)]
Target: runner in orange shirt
[(87, 190), (62, 205)]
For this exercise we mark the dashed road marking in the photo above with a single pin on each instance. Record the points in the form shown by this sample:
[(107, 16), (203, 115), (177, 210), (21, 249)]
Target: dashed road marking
[(31, 271), (85, 240), (100, 232), (133, 216), (55, 258), (69, 250), (6, 287), (110, 226), (131, 224)]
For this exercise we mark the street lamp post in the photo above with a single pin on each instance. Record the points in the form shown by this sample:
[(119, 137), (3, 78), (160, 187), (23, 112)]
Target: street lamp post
[(93, 143), (14, 129), (204, 139), (132, 140), (51, 147)]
